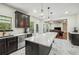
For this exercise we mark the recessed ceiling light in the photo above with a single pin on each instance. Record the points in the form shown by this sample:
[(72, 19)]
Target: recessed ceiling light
[(66, 12), (35, 11), (42, 14), (48, 19)]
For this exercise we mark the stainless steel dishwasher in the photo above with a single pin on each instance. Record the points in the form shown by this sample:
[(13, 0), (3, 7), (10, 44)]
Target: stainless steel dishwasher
[(21, 41)]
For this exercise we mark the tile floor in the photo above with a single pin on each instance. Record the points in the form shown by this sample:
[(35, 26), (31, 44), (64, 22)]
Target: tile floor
[(19, 52), (59, 47)]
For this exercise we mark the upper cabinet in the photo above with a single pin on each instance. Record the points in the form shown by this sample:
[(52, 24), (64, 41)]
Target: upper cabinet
[(21, 20)]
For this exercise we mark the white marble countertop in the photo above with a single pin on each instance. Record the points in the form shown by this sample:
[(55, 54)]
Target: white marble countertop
[(13, 35), (45, 39), (20, 34), (74, 32)]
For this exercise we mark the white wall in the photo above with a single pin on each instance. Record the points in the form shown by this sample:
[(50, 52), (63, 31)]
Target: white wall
[(33, 19), (56, 25), (37, 21), (77, 22), (8, 11)]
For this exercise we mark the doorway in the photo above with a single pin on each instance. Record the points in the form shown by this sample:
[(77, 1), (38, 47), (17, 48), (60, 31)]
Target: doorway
[(65, 28), (62, 24)]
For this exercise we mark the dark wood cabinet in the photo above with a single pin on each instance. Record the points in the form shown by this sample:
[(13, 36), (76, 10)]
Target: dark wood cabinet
[(36, 49), (74, 38), (8, 45), (2, 46), (11, 44), (21, 20), (31, 48)]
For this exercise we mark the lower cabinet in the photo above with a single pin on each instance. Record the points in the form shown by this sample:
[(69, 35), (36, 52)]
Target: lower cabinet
[(8, 45), (11, 44), (31, 48), (2, 47), (74, 38), (36, 49)]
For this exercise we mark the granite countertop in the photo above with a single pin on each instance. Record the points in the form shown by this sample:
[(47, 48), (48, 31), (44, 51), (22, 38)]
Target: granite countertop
[(45, 39)]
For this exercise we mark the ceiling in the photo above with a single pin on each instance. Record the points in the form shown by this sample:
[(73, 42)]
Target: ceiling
[(58, 9)]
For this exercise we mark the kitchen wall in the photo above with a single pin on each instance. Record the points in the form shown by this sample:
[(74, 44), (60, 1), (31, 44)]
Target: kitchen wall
[(37, 21), (8, 11)]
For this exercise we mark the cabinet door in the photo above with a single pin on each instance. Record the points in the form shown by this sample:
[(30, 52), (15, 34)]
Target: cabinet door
[(2, 47), (36, 49), (12, 44), (31, 48)]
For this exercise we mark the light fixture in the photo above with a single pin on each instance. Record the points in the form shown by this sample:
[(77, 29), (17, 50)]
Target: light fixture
[(43, 17), (34, 11), (48, 19), (51, 13), (48, 13), (42, 14), (66, 12)]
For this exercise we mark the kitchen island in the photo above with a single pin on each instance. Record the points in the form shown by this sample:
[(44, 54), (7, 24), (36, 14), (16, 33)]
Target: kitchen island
[(39, 44), (74, 38)]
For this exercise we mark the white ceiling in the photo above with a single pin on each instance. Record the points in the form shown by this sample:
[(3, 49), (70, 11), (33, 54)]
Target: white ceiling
[(58, 9)]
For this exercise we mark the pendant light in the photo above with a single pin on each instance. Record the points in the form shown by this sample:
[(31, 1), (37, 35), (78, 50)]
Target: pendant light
[(42, 14), (48, 13)]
